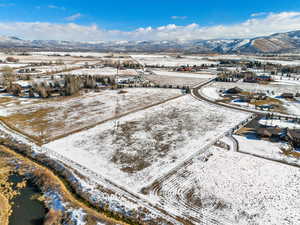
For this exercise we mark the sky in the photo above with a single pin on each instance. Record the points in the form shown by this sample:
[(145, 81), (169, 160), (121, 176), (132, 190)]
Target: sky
[(138, 20)]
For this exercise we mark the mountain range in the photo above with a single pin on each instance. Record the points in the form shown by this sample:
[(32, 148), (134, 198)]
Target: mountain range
[(288, 42)]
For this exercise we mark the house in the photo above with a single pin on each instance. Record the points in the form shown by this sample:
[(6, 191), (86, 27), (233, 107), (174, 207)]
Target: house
[(260, 96), (265, 107), (293, 136), (245, 98), (287, 95), (269, 132), (235, 90), (250, 80), (264, 78)]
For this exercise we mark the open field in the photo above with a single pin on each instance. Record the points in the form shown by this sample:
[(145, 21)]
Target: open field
[(39, 58), (59, 116), (181, 81), (171, 74), (12, 65), (152, 153), (54, 68), (106, 71), (136, 149), (170, 61), (226, 187), (163, 77)]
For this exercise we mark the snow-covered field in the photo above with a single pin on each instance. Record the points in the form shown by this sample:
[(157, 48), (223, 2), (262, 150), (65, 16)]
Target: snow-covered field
[(54, 117), (226, 187), (163, 77), (138, 148), (184, 75), (211, 93), (76, 54), (172, 61), (12, 65), (106, 71), (167, 80), (55, 68)]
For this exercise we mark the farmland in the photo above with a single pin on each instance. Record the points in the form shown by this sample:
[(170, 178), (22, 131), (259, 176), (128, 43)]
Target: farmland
[(56, 117), (157, 138), (139, 147), (169, 60), (214, 190)]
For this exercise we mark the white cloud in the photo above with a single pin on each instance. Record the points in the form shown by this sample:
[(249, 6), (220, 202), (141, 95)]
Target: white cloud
[(74, 17), (253, 27), (259, 14), (179, 17), (56, 7)]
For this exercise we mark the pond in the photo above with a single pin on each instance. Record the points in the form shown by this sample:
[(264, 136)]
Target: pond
[(26, 209)]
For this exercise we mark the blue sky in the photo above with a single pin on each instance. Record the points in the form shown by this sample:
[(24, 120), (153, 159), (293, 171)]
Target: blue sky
[(126, 17)]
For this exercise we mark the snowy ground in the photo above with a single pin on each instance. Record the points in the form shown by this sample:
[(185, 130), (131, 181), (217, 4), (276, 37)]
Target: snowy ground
[(252, 87), (256, 58), (106, 71), (279, 123), (140, 147), (54, 68), (76, 54), (292, 107), (54, 117), (184, 75), (226, 187), (8, 101), (12, 65), (211, 93), (172, 61), (163, 77), (167, 80), (271, 150)]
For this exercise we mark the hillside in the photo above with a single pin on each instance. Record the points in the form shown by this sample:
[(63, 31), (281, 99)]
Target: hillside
[(276, 43)]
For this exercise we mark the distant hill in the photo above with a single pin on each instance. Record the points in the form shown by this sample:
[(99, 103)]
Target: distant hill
[(276, 43)]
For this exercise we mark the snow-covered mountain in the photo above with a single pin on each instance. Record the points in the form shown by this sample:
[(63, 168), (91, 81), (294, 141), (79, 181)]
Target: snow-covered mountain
[(281, 42)]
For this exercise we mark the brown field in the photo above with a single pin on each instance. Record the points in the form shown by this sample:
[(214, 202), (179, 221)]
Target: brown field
[(48, 119)]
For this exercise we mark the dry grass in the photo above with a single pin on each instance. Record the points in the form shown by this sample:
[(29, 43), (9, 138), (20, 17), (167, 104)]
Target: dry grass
[(6, 191), (5, 100), (295, 154), (244, 130), (4, 210), (36, 121), (135, 154), (267, 102)]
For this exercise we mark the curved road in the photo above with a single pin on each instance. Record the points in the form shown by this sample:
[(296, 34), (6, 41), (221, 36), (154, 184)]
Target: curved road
[(196, 92)]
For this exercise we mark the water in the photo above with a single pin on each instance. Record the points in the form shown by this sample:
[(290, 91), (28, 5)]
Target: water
[(27, 211)]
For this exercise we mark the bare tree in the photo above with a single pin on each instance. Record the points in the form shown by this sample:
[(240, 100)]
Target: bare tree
[(8, 76)]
